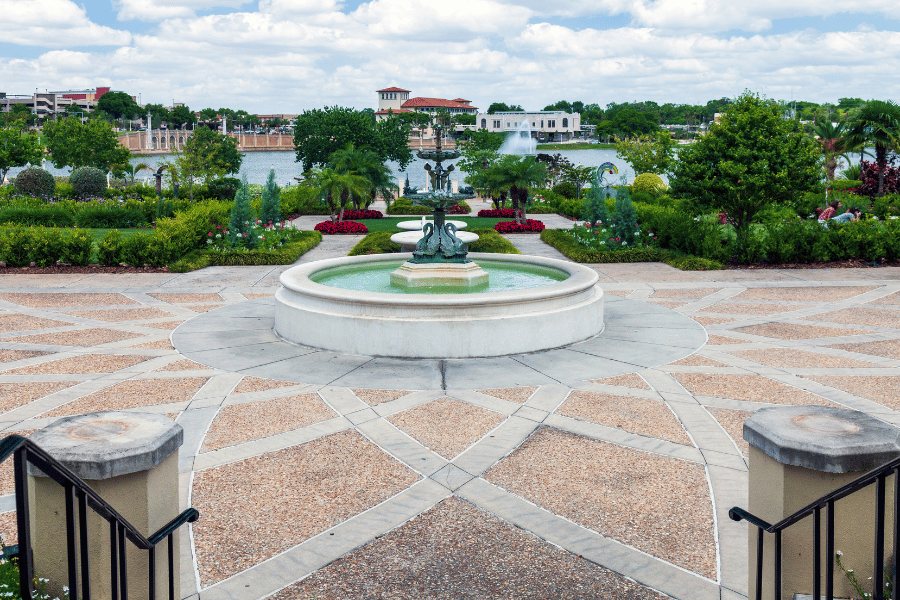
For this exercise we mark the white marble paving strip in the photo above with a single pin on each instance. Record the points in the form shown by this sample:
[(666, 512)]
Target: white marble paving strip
[(402, 447), (835, 395), (484, 401), (282, 392), (602, 388), (386, 409), (702, 303), (57, 399), (342, 400), (732, 404), (508, 436), (643, 568), (317, 552), (272, 443), (621, 437), (548, 397), (729, 488)]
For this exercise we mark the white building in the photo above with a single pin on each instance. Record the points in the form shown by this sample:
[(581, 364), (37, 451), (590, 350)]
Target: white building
[(546, 125)]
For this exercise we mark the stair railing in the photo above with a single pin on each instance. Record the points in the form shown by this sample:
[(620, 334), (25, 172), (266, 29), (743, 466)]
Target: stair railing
[(877, 477), (80, 497)]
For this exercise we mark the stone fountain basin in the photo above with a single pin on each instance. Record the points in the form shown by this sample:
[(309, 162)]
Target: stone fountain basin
[(417, 225), (438, 325)]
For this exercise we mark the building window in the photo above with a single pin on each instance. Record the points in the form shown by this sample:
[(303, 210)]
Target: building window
[(496, 124), (542, 124), (551, 123), (484, 123), (565, 123)]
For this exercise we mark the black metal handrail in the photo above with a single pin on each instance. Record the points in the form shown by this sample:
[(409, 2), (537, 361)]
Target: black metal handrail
[(77, 492), (876, 476)]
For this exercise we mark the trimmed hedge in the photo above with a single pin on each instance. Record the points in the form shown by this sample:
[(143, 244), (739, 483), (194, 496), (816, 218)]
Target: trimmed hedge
[(844, 184), (287, 254), (35, 182), (110, 217), (379, 242), (45, 246), (37, 216), (563, 242), (88, 181)]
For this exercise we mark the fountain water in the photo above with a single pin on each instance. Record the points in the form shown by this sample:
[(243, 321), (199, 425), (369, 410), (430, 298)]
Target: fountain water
[(520, 141)]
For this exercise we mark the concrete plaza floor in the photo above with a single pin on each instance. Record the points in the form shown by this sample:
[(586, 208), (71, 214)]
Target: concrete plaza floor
[(397, 483)]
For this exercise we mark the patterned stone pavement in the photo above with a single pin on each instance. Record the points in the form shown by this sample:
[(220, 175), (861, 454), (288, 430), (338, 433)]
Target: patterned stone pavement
[(613, 487)]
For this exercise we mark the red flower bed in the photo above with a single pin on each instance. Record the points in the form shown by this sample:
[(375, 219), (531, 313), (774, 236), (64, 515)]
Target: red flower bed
[(459, 209), (362, 214), (527, 226), (327, 227), (498, 213)]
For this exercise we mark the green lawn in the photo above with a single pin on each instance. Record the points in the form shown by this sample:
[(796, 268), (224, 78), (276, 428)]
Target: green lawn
[(390, 223)]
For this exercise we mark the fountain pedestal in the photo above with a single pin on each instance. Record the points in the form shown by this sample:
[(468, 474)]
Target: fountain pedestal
[(415, 275)]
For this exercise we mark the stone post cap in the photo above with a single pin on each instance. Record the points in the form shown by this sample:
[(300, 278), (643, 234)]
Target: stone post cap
[(823, 438), (103, 445)]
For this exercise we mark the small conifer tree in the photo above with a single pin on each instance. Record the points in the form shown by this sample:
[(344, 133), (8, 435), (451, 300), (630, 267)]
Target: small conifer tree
[(595, 205), (270, 210), (241, 216), (625, 224)]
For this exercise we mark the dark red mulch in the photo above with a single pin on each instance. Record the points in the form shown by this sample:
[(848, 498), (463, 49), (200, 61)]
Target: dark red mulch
[(90, 269), (837, 264)]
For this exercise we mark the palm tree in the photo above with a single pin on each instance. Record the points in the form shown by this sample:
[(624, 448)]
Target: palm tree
[(130, 170), (877, 123), (833, 144), (366, 164), (331, 185), (517, 174)]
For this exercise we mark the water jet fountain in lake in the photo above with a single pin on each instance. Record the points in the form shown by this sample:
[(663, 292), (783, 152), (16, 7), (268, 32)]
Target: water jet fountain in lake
[(438, 301)]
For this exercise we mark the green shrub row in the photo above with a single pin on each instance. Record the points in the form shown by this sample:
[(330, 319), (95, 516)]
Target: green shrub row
[(20, 246), (287, 254), (564, 242), (379, 242)]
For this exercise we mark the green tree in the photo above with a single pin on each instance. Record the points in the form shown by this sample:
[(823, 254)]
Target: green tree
[(632, 122), (181, 116), (833, 144), (465, 119), (130, 170), (653, 153), (159, 114), (240, 218), (206, 155), (18, 112), (75, 144), (751, 159), (516, 174), (270, 209), (336, 188), (18, 147), (503, 107), (478, 153), (119, 105), (578, 175), (366, 164), (877, 123), (318, 133)]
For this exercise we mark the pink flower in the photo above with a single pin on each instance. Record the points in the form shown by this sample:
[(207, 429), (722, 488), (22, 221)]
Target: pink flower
[(209, 234)]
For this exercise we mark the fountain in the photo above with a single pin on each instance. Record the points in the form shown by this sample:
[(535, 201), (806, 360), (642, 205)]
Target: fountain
[(437, 302), (520, 141)]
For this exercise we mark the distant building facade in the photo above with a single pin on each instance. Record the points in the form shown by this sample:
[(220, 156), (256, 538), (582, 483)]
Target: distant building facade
[(394, 100), (545, 125), (48, 104)]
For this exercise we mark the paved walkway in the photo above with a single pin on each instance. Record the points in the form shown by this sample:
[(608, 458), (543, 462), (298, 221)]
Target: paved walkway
[(489, 487)]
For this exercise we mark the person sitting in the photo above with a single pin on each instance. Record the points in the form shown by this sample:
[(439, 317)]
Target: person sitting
[(829, 211), (851, 215)]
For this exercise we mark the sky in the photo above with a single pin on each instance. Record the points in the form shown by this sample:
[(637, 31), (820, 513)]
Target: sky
[(286, 56)]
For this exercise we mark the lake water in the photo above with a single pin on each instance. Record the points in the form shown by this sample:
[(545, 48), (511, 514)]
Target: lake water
[(256, 166)]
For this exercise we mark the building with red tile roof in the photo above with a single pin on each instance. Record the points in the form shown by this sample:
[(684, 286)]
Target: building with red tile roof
[(395, 100)]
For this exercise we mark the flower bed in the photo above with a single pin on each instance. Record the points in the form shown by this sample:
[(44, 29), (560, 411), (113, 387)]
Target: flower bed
[(460, 209), (362, 214), (600, 237), (498, 213), (526, 226), (329, 228), (264, 238)]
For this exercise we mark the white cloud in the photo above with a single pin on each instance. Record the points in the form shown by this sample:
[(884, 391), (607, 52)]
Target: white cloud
[(54, 24), (159, 10)]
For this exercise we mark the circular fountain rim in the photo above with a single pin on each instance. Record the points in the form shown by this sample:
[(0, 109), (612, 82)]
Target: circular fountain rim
[(298, 280)]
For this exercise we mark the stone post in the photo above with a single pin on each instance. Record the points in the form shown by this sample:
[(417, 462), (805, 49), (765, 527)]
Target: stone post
[(131, 460), (797, 455)]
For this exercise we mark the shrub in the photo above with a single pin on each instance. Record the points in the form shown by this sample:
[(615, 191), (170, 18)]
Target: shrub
[(285, 255), (109, 250), (353, 214), (491, 241), (498, 213), (302, 200), (136, 251), (526, 226), (329, 228), (594, 208), (624, 223), (77, 248), (572, 208), (377, 242), (110, 217), (565, 243), (844, 184), (35, 182), (270, 209), (566, 189), (240, 218), (223, 189), (460, 209), (648, 182), (869, 184), (47, 245), (88, 181), (405, 206), (15, 246), (42, 216)]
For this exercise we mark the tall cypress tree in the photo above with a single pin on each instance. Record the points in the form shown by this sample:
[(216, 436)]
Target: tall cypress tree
[(270, 211), (241, 216)]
